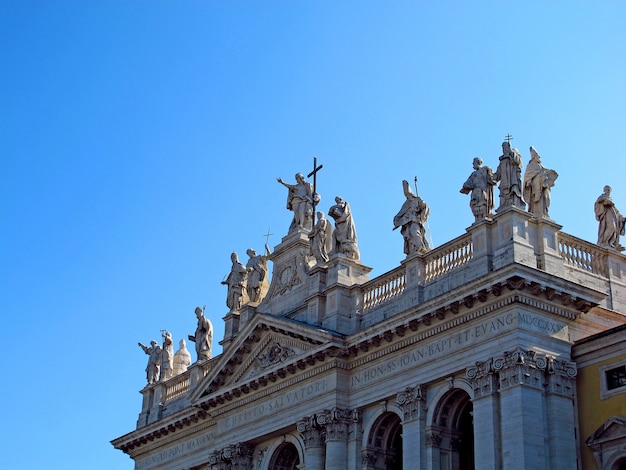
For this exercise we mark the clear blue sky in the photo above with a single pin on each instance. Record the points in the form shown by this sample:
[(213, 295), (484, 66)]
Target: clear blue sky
[(140, 143)]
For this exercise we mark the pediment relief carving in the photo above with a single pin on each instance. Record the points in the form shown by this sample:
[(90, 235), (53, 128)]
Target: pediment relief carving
[(271, 350), (266, 345)]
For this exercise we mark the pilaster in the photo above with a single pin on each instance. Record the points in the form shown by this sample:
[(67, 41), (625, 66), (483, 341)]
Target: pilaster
[(336, 423), (355, 438), (486, 414), (522, 410), (313, 435), (560, 413), (412, 401)]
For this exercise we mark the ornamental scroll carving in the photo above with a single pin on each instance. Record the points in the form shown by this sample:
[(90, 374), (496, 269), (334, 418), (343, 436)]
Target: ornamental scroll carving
[(522, 367), (234, 456), (276, 353), (410, 400), (329, 424)]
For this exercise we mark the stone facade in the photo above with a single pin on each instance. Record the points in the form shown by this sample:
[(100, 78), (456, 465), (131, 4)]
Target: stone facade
[(459, 358)]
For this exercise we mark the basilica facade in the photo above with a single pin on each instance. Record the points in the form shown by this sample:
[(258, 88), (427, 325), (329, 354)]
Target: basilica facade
[(459, 358)]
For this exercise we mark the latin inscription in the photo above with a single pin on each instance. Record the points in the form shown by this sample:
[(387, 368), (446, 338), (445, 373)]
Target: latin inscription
[(186, 447), (276, 403), (454, 342)]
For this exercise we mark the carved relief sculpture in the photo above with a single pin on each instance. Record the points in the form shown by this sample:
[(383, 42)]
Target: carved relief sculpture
[(611, 222), (235, 281), (412, 217), (344, 236), (509, 174), (203, 336), (154, 361), (480, 185), (537, 184)]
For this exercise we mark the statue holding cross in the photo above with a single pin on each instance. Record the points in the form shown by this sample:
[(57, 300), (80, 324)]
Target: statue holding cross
[(302, 200)]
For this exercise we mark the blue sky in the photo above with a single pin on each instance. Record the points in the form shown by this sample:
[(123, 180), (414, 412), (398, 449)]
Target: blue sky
[(141, 141)]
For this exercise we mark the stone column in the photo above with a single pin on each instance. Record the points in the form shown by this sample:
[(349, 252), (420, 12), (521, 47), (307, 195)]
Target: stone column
[(313, 436), (486, 414), (522, 409), (412, 401), (560, 412), (336, 423)]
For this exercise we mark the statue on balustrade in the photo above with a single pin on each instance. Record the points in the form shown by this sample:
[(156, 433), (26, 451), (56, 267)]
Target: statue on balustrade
[(611, 221), (167, 356), (203, 336), (537, 184), (344, 235), (257, 283), (236, 282), (412, 218), (154, 361), (300, 200), (509, 174), (320, 239), (480, 185), (182, 358)]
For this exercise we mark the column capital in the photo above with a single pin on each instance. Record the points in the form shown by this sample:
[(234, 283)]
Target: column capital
[(482, 378), (233, 456), (411, 400), (312, 432)]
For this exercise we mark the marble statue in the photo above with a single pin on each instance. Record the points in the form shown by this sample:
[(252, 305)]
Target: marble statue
[(480, 184), (154, 361), (257, 284), (300, 200), (167, 356), (235, 281), (537, 183), (509, 174), (321, 239), (182, 358), (203, 337), (344, 235), (412, 217), (611, 221)]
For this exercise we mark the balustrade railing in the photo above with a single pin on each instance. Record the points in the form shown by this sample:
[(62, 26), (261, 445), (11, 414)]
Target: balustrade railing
[(177, 386), (383, 288), (582, 255), (448, 257)]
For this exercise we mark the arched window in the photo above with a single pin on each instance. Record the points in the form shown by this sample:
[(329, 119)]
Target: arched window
[(452, 431), (285, 458), (384, 444)]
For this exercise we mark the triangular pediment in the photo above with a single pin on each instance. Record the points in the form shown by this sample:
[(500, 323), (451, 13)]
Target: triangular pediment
[(264, 349), (613, 429)]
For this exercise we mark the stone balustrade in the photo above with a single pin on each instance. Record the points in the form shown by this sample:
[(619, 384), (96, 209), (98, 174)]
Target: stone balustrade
[(384, 288), (583, 255), (444, 259)]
